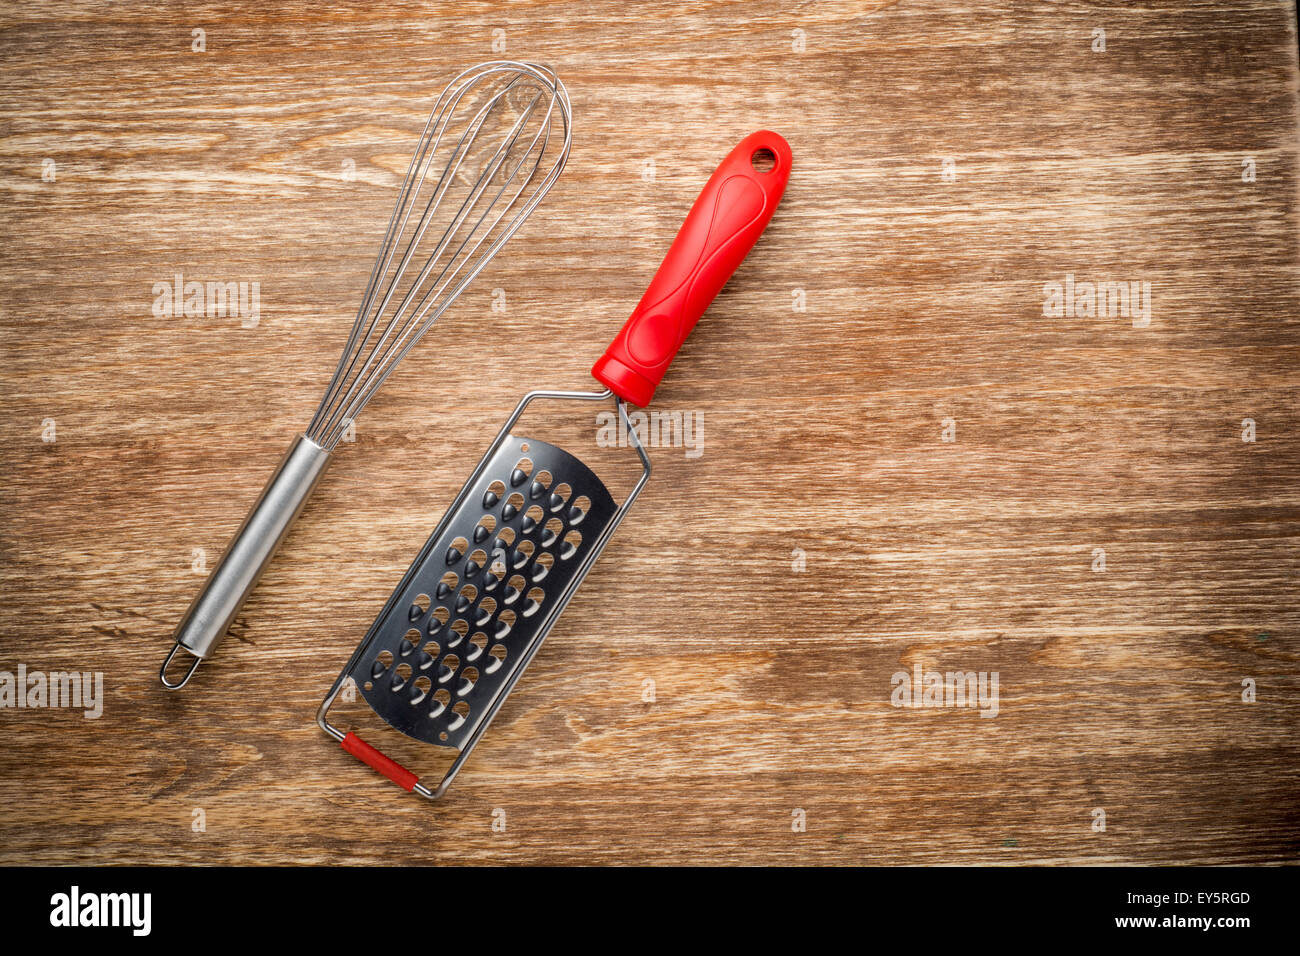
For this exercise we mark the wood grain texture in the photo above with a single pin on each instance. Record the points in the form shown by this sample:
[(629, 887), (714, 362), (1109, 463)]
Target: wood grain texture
[(1119, 689)]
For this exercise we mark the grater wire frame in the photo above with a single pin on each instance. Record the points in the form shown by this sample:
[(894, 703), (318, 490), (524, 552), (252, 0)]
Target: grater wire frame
[(553, 614)]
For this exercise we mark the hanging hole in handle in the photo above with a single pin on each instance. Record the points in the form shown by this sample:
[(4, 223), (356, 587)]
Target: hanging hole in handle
[(763, 160)]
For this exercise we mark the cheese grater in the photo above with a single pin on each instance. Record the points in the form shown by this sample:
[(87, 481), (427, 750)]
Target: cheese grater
[(478, 601)]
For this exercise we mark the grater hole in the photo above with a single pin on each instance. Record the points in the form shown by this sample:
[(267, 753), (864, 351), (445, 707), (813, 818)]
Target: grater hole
[(535, 598), (466, 598), (457, 550), (437, 619), (493, 494), (497, 657), (552, 531), (476, 645), (512, 506), (570, 546), (486, 608), (383, 661), (542, 566), (579, 509), (427, 655), (468, 678), (505, 621), (420, 690), (486, 525), (410, 641), (461, 710), (536, 490), (448, 668), (446, 586), (506, 537), (559, 495), (545, 477), (525, 465), (401, 674), (514, 587), (419, 607), (458, 631), (441, 698), (531, 517), (523, 553), (495, 572)]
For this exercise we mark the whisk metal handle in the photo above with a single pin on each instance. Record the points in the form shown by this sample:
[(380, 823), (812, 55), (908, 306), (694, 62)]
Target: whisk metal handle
[(250, 550), (728, 217)]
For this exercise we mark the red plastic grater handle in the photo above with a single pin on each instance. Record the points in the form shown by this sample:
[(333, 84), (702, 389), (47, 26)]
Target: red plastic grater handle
[(728, 217), (386, 765)]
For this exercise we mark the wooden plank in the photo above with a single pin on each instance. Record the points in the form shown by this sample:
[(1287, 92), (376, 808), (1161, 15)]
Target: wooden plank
[(923, 301)]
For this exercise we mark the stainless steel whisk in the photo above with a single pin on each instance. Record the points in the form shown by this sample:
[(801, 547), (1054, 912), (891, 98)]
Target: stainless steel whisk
[(495, 142)]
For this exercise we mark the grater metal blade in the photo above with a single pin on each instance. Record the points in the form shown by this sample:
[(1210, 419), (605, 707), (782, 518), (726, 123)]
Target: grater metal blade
[(472, 605)]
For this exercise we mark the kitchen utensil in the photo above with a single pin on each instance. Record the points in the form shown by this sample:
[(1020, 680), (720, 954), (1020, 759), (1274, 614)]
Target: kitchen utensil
[(495, 142), (478, 601)]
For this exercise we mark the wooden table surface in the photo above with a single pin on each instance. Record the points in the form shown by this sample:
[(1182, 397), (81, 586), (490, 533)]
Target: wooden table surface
[(911, 457)]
